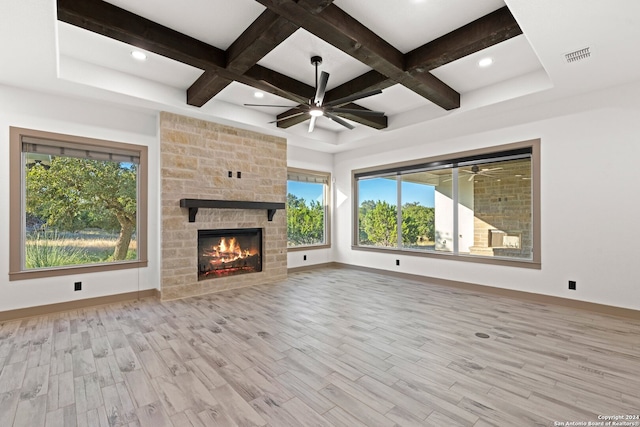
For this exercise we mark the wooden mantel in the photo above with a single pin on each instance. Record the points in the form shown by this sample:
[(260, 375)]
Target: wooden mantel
[(194, 204)]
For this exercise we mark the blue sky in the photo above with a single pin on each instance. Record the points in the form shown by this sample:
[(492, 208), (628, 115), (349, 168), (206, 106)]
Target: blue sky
[(307, 190), (371, 189), (385, 189)]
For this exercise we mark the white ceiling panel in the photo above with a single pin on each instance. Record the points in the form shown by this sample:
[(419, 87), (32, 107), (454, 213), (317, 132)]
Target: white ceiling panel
[(512, 58), (240, 94), (408, 24), (550, 28), (394, 100), (99, 50), (293, 58), (216, 22)]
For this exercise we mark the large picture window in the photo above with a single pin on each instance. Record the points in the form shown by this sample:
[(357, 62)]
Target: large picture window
[(480, 206), (307, 208), (76, 203)]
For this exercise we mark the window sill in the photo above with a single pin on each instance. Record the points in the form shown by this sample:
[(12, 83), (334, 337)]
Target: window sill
[(519, 263), (308, 247), (77, 269)]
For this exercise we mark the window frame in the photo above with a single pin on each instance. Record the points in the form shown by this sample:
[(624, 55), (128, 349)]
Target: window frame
[(16, 202), (327, 209), (483, 153)]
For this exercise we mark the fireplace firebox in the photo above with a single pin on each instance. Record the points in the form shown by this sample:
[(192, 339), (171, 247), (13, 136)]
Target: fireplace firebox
[(227, 252)]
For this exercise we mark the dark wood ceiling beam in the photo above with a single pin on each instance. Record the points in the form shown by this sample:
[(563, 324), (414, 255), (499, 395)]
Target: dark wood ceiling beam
[(278, 84), (206, 87), (238, 63), (480, 34), (336, 27), (260, 38), (368, 81), (111, 21), (314, 6)]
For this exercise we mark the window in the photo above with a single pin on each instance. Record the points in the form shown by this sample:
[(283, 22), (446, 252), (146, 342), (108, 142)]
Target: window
[(77, 204), (307, 209), (480, 206)]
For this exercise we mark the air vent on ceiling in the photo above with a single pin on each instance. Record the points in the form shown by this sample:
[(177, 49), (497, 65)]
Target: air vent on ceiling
[(577, 55)]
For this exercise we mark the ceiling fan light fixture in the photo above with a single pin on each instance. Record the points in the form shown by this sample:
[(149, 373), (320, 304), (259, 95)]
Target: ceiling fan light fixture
[(316, 107)]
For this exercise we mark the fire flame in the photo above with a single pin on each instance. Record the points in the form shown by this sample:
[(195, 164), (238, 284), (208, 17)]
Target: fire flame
[(227, 251)]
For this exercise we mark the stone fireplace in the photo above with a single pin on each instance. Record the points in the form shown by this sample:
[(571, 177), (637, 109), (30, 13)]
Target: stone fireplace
[(202, 160), (223, 253)]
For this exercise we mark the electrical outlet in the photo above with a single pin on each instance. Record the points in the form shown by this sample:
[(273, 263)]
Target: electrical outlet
[(304, 257), (77, 286), (397, 262), (572, 285)]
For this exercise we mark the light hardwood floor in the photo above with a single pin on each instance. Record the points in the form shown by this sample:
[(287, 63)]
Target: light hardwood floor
[(327, 347)]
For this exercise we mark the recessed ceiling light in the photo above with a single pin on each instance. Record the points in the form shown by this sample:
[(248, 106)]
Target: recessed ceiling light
[(485, 62), (139, 55), (258, 94)]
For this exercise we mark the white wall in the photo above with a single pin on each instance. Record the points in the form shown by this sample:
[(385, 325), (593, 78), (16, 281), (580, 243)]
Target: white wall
[(27, 109), (590, 163), (303, 158), (590, 202)]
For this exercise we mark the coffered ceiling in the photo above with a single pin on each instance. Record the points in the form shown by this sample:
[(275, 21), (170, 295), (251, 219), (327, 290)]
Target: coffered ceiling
[(209, 57)]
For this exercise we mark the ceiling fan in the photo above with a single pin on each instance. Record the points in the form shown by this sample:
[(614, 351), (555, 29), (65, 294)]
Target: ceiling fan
[(475, 170), (318, 108)]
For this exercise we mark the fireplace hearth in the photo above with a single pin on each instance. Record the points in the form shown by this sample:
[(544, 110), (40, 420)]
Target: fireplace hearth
[(227, 252)]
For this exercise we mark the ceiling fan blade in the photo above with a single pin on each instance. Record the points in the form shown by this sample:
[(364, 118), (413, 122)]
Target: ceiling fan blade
[(321, 89), (287, 117), (471, 178), (356, 112), (339, 120), (271, 105), (312, 123), (350, 98), (490, 175)]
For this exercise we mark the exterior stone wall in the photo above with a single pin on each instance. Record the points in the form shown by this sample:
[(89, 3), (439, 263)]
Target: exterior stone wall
[(196, 157), (503, 205)]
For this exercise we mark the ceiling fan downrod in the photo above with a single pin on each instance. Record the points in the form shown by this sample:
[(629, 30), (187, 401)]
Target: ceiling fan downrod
[(316, 61)]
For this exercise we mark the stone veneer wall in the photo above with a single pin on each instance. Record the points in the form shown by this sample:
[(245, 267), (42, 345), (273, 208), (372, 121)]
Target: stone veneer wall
[(503, 205), (196, 156)]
